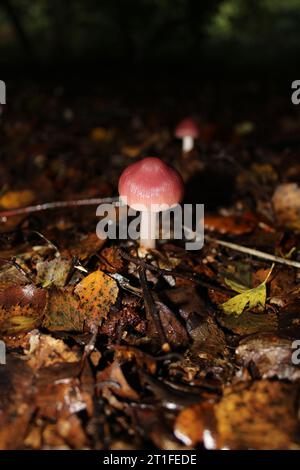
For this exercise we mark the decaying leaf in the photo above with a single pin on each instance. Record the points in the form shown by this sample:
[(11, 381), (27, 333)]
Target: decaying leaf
[(53, 272), (45, 351), (269, 355), (230, 224), (63, 312), (86, 247), (113, 377), (249, 322), (97, 293)]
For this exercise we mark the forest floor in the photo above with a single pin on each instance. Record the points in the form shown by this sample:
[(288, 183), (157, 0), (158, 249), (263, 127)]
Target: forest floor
[(86, 321)]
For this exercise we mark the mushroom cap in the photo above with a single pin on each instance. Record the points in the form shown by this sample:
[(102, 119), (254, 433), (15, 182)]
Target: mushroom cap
[(150, 184), (187, 127)]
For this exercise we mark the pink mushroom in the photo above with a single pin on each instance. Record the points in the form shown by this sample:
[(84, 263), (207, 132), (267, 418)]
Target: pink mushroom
[(150, 186), (187, 130)]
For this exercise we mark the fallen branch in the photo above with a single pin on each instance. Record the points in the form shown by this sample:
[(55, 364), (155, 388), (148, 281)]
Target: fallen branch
[(55, 205), (256, 253), (151, 309)]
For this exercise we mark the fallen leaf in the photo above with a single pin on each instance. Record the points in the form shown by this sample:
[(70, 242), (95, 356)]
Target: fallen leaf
[(234, 225), (248, 417), (249, 322), (270, 355), (15, 199), (114, 378), (97, 293), (54, 272), (63, 312), (248, 298), (45, 351), (192, 423), (100, 134)]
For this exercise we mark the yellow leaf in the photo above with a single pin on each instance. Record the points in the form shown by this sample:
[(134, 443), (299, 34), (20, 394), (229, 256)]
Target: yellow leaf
[(247, 299), (236, 286), (15, 199), (100, 134), (97, 292)]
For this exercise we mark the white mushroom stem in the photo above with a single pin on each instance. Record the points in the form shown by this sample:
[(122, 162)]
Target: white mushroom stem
[(187, 143), (148, 229)]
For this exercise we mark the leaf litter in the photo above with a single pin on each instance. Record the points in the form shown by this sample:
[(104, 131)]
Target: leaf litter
[(178, 350)]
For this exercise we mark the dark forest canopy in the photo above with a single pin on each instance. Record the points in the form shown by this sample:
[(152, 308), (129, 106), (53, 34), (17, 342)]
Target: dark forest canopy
[(141, 31)]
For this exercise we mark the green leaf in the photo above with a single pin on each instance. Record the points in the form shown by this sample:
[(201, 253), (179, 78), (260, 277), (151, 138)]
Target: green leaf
[(247, 298)]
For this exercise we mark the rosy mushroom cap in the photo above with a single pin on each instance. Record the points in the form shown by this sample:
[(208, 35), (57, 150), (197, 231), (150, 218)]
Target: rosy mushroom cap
[(187, 128), (150, 184)]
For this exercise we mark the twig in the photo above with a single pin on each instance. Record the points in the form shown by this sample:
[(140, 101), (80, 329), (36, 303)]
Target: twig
[(167, 272), (151, 309), (16, 265), (55, 205), (248, 251), (253, 252)]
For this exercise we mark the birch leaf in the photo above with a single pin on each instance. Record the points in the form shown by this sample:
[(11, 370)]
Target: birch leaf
[(247, 298)]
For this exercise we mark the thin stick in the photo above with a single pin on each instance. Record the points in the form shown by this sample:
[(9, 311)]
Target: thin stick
[(256, 253), (151, 309), (55, 205), (248, 251)]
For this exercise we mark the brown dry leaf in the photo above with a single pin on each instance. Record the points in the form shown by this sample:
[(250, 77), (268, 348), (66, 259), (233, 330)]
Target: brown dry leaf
[(131, 151), (15, 199), (234, 225), (97, 293), (45, 351), (16, 402), (113, 378), (249, 322), (100, 134), (120, 321), (143, 360), (61, 399), (53, 271), (271, 356), (112, 260), (249, 418), (192, 422), (63, 312), (21, 307), (175, 332), (286, 203), (86, 247)]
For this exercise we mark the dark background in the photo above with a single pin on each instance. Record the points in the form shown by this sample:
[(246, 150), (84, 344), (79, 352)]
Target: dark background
[(121, 37)]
